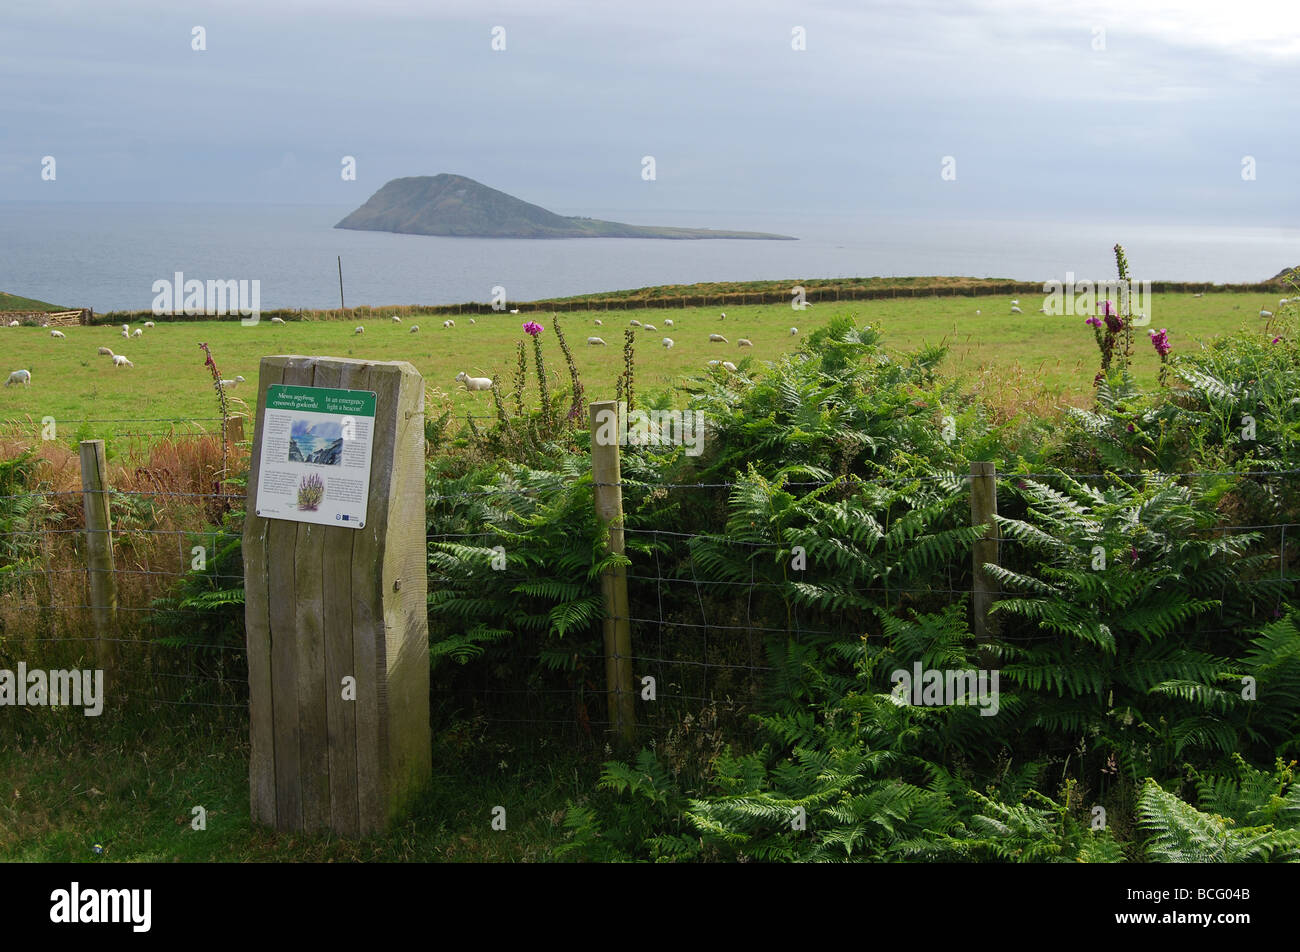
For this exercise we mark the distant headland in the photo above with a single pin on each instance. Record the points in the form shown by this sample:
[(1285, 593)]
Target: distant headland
[(459, 207)]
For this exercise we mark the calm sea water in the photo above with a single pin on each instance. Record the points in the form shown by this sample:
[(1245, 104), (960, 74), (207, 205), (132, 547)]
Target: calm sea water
[(107, 256)]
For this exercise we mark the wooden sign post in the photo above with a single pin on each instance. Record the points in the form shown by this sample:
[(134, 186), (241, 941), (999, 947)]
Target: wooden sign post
[(336, 613)]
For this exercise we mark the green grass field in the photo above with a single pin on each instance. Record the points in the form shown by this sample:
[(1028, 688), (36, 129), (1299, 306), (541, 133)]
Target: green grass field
[(12, 302), (1054, 356)]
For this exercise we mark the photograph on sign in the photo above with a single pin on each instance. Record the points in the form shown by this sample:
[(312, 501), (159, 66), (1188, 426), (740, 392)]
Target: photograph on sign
[(316, 448)]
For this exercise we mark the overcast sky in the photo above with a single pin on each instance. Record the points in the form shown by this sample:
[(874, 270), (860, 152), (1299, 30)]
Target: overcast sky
[(1130, 109)]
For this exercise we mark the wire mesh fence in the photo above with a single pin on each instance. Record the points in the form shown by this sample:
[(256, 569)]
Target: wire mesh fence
[(700, 641)]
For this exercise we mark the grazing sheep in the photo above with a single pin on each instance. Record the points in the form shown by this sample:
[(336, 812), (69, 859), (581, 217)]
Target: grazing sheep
[(120, 361), (667, 342), (20, 376), (723, 317), (126, 335), (277, 320), (977, 312), (1262, 313), (595, 342), (1016, 310), (138, 332), (474, 383), (126, 327), (472, 321), (415, 328), (514, 310), (448, 323), (396, 319), (1015, 302), (1202, 294), (13, 323), (359, 330), (649, 327), (105, 352), (599, 322), (794, 331), (1284, 302), (744, 342), (718, 339), (148, 323), (58, 334), (634, 323), (231, 384), (668, 322), (714, 363), (729, 365)]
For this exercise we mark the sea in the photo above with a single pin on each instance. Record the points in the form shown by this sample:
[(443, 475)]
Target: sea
[(109, 255)]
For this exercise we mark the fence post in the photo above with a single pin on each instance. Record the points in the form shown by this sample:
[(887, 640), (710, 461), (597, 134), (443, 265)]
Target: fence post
[(99, 551), (235, 429), (606, 474), (983, 507), (337, 618)]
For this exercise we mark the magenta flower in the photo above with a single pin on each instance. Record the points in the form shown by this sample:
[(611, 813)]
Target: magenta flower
[(1132, 428), (1108, 309), (1160, 341), (1277, 340), (532, 327), (1093, 322)]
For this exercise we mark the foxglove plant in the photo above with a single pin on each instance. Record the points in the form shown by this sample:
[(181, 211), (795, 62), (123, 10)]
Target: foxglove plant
[(1160, 341)]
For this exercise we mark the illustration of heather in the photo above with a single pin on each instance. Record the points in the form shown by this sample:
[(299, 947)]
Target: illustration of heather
[(310, 493)]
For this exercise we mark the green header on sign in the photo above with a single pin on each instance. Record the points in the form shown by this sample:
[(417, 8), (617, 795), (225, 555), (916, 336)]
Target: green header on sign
[(321, 400)]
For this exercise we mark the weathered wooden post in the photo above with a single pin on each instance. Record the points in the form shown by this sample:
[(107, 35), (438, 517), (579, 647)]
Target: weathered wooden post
[(235, 429), (983, 507), (99, 551), (606, 474), (335, 594)]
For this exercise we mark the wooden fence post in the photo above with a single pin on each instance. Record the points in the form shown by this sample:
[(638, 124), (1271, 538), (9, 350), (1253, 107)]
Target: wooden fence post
[(606, 474), (337, 620), (235, 429), (983, 507), (99, 552)]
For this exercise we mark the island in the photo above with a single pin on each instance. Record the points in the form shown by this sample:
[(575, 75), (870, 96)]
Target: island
[(458, 207)]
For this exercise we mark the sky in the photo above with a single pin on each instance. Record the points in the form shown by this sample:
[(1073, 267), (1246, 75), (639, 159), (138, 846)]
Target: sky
[(1133, 110)]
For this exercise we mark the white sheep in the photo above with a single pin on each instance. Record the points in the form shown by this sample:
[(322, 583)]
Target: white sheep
[(595, 342), (472, 321), (126, 327), (448, 323), (120, 361), (514, 310), (1264, 313), (126, 335), (277, 320), (58, 334), (1016, 310), (396, 319), (148, 324), (668, 322), (744, 342), (20, 376), (359, 330), (138, 332), (634, 323), (105, 352), (650, 327), (729, 365), (1015, 302), (231, 384), (718, 339), (715, 363), (723, 317), (474, 383), (599, 323), (667, 342), (1284, 302), (794, 331), (13, 323), (415, 328)]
